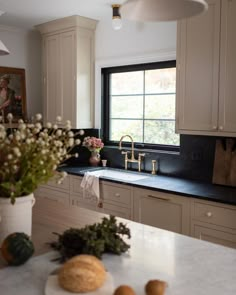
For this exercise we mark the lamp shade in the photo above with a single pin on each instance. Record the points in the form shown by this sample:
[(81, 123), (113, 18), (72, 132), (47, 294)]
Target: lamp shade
[(3, 49), (161, 10)]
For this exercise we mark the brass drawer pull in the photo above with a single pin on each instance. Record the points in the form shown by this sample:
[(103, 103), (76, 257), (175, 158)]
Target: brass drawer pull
[(117, 195), (159, 198)]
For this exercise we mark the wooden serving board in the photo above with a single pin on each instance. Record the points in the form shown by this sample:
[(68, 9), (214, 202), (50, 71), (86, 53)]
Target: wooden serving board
[(225, 162)]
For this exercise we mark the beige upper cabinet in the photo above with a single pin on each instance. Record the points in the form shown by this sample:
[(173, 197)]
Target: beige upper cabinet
[(206, 68), (227, 117), (68, 70)]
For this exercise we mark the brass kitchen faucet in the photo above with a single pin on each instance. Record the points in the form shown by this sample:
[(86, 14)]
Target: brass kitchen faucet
[(132, 159)]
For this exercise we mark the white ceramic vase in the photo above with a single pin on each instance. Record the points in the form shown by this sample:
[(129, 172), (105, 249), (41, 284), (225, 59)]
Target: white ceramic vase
[(17, 217)]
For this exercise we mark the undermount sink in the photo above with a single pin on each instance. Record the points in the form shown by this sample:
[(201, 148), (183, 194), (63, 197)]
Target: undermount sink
[(119, 175)]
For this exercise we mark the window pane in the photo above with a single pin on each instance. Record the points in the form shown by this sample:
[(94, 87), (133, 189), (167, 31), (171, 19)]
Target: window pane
[(119, 128), (160, 106), (160, 81), (126, 107), (127, 83), (160, 132)]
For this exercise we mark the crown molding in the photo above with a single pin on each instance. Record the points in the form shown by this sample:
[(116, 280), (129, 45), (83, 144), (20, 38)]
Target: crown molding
[(67, 23)]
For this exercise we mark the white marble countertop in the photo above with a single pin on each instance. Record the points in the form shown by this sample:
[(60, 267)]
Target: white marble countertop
[(190, 266)]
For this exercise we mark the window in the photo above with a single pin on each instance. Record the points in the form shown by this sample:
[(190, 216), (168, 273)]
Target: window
[(139, 100)]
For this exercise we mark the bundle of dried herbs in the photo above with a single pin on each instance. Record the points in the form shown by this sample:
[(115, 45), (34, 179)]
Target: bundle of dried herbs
[(95, 239)]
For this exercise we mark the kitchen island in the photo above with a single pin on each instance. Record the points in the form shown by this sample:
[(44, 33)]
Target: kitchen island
[(189, 266)]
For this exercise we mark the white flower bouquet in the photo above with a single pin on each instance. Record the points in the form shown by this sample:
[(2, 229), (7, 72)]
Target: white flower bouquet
[(31, 154)]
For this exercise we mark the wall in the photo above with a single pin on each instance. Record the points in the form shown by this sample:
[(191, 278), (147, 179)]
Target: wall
[(25, 52), (133, 39)]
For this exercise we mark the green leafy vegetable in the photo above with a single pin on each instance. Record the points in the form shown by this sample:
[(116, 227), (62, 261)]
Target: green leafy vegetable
[(95, 239)]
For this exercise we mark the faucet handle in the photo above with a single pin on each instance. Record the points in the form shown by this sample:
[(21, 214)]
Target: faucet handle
[(141, 155), (125, 152), (126, 158)]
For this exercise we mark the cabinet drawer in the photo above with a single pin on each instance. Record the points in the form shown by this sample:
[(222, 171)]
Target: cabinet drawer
[(79, 198), (214, 214), (65, 185), (79, 202), (112, 193), (75, 185), (53, 195), (115, 210), (213, 235)]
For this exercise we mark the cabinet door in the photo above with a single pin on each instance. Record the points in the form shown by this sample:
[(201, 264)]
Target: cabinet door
[(51, 78), (85, 78), (206, 233), (162, 210), (228, 67), (198, 71), (67, 77), (53, 195)]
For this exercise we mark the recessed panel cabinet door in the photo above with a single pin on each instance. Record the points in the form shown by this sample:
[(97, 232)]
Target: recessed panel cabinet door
[(162, 210), (227, 114), (51, 78), (198, 71), (67, 77)]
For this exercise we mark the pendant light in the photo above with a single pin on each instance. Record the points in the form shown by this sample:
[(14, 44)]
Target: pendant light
[(116, 18), (161, 10), (3, 49)]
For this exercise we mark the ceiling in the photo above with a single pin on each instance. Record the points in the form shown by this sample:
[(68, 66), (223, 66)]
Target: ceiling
[(28, 13)]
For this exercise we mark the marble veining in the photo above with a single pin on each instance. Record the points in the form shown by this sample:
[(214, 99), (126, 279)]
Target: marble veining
[(190, 266)]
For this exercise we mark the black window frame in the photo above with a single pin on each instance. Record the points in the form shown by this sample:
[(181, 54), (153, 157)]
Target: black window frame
[(105, 86)]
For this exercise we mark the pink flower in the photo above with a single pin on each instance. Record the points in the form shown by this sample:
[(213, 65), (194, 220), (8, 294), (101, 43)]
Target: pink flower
[(93, 143)]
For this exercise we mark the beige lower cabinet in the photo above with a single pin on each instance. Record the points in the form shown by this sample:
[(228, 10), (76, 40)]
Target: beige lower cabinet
[(213, 222), (205, 220), (163, 210), (116, 199), (54, 193), (76, 194)]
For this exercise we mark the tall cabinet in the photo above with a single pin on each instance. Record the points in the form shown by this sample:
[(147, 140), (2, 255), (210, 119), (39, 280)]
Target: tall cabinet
[(68, 70), (206, 71)]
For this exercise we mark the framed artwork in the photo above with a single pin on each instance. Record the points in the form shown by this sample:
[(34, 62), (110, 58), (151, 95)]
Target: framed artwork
[(12, 93)]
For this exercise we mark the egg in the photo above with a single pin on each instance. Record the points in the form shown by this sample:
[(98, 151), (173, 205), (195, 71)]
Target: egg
[(124, 290), (155, 287)]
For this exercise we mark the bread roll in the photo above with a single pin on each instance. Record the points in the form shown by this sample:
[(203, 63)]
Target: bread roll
[(81, 274), (155, 287), (124, 290)]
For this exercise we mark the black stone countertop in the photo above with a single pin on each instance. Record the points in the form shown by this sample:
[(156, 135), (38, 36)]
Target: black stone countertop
[(178, 186)]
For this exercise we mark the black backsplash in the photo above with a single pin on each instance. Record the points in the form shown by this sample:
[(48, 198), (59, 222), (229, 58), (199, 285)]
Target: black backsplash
[(83, 152), (194, 161)]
